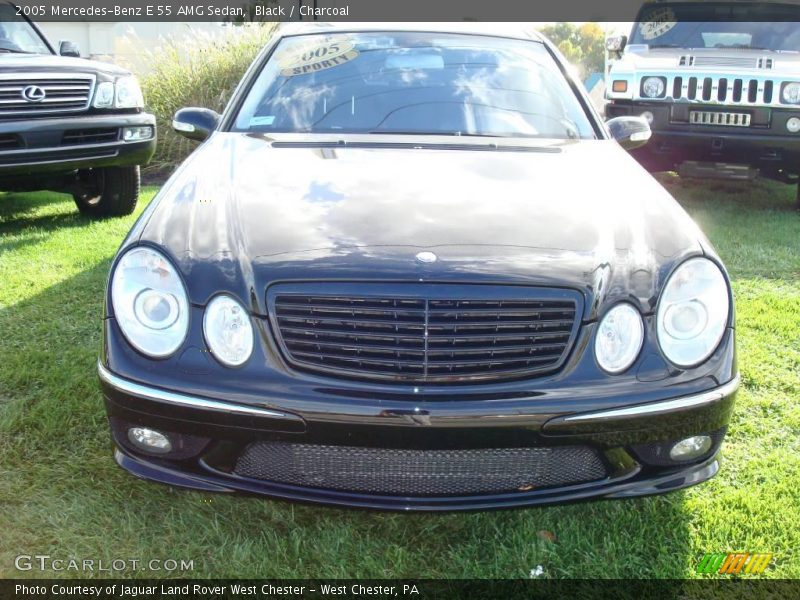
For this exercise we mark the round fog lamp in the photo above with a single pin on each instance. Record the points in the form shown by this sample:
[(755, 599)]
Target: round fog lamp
[(691, 447), (149, 440), (793, 124)]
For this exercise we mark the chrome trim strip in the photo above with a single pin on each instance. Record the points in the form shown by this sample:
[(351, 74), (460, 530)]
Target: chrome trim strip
[(656, 408), (159, 395)]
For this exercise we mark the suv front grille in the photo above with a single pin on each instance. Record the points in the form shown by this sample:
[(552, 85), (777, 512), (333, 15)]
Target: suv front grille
[(419, 472), (719, 90), (427, 333), (61, 94)]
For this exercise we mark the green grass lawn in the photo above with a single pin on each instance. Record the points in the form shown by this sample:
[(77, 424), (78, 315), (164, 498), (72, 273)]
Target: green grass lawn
[(61, 493)]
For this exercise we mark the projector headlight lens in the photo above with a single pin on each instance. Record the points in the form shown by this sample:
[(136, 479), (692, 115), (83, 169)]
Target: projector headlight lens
[(619, 338), (150, 302), (693, 312), (228, 331), (653, 87)]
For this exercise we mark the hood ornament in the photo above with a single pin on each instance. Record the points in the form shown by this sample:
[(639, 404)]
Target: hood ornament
[(426, 257)]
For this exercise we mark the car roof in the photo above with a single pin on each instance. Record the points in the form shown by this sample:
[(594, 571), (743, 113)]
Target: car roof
[(524, 31)]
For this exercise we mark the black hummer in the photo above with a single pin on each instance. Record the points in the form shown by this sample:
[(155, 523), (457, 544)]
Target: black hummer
[(68, 124)]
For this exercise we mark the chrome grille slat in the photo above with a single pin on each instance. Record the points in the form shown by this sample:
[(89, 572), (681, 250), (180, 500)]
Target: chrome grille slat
[(62, 94), (425, 339), (719, 89)]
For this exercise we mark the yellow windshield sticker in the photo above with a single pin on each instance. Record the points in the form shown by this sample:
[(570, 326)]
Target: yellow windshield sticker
[(317, 56), (659, 22)]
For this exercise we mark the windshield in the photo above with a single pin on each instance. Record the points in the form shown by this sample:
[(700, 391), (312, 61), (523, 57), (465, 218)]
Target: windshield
[(411, 82), (717, 26), (17, 35)]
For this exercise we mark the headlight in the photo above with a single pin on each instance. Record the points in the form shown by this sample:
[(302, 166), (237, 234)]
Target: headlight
[(692, 312), (653, 87), (150, 303), (104, 95), (791, 93), (228, 331), (619, 338), (128, 93)]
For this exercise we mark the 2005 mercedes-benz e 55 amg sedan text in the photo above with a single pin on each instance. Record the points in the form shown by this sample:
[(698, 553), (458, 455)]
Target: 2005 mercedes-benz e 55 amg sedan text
[(412, 269)]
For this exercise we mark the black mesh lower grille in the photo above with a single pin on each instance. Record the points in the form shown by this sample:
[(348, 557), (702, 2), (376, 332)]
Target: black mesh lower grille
[(419, 472)]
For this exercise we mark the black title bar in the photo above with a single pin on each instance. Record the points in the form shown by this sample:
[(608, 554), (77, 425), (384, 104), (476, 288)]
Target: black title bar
[(350, 10)]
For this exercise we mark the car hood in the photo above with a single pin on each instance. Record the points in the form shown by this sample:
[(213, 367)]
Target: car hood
[(245, 211), (11, 63)]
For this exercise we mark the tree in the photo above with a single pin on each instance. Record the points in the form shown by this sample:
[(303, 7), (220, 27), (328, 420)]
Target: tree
[(582, 45)]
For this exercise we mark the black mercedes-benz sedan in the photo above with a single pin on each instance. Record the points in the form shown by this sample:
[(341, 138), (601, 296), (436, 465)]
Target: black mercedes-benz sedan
[(411, 268)]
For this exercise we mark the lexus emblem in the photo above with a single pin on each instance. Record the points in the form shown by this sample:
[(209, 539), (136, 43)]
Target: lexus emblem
[(33, 93), (426, 257)]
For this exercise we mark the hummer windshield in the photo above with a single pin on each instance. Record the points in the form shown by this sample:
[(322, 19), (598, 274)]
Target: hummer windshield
[(732, 25), (17, 35)]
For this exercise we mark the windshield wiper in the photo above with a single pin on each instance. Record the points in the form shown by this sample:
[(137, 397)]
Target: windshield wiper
[(13, 51)]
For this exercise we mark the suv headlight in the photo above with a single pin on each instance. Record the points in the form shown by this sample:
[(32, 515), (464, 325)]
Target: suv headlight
[(150, 303), (692, 312), (653, 87), (790, 93), (128, 93), (228, 331), (619, 338), (104, 95)]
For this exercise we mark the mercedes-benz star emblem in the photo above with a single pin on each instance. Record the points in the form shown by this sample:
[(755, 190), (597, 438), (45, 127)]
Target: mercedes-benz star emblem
[(426, 257), (33, 93)]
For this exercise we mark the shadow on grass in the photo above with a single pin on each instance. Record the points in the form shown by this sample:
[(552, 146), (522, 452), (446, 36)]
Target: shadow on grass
[(18, 225), (15, 205), (759, 194), (64, 496)]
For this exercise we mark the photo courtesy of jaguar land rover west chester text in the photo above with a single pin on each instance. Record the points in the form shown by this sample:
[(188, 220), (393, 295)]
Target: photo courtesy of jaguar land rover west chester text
[(410, 268)]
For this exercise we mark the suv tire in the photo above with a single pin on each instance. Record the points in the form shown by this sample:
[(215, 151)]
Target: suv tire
[(107, 192)]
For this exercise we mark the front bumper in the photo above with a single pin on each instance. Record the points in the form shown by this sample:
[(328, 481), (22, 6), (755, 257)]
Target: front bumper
[(209, 434), (55, 145), (766, 144)]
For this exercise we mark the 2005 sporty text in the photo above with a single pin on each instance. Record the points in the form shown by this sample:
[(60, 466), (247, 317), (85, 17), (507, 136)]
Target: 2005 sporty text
[(413, 269)]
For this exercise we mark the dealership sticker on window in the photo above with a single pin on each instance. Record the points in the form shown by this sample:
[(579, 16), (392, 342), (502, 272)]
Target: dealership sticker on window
[(659, 22), (268, 120), (309, 58)]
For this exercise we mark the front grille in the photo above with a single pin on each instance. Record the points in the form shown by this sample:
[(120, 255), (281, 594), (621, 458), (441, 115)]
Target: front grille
[(61, 94), (76, 137), (710, 117), (9, 141), (720, 90), (419, 472), (426, 335)]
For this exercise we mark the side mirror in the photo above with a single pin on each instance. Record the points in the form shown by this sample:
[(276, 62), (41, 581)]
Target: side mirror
[(195, 123), (630, 132), (616, 43), (68, 48)]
